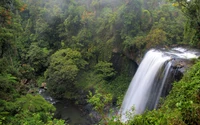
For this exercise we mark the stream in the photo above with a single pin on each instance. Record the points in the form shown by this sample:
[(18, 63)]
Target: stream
[(66, 110)]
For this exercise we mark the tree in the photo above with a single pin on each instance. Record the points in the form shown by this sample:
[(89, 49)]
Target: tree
[(156, 38), (146, 20), (9, 24), (10, 29), (131, 18), (64, 67), (104, 70), (15, 106), (29, 110), (191, 9), (37, 57), (171, 21), (71, 26)]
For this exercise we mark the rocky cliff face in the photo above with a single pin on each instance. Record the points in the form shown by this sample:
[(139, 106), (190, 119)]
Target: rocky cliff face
[(178, 68), (123, 64)]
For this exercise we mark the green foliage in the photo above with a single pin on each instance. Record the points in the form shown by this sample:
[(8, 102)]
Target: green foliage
[(137, 42), (28, 118), (147, 20), (131, 18), (17, 108), (191, 11), (155, 38), (29, 110), (92, 80), (104, 70), (7, 84), (9, 80), (8, 35), (160, 25), (64, 67), (37, 57), (100, 101), (40, 80), (33, 104), (118, 86), (26, 71)]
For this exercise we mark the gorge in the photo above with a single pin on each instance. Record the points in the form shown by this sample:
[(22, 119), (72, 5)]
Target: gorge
[(84, 53)]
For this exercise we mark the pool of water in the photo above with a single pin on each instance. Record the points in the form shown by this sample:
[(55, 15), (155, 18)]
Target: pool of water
[(66, 110), (70, 112)]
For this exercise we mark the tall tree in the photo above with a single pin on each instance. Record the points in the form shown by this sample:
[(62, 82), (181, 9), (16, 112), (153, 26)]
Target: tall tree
[(191, 9), (62, 72)]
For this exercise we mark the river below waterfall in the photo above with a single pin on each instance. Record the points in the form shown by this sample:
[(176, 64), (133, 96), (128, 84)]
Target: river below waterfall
[(70, 112), (66, 110)]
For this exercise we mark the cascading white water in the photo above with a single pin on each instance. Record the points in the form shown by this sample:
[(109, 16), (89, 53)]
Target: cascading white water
[(140, 92), (165, 73), (140, 87)]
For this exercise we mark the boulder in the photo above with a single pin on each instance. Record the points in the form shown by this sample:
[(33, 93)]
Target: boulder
[(43, 85)]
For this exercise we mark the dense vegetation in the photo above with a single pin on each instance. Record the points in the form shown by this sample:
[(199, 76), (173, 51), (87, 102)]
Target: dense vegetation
[(70, 44)]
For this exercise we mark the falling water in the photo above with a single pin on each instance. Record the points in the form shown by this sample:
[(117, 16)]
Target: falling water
[(165, 73), (147, 85), (140, 87)]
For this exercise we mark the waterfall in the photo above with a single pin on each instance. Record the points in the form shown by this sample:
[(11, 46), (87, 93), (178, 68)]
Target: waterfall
[(149, 81), (165, 73)]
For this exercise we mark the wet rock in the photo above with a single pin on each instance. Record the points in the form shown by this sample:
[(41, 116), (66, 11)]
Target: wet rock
[(43, 85), (114, 101), (181, 65), (178, 63), (82, 99), (178, 68), (67, 120), (122, 63), (57, 115), (88, 108), (94, 117), (78, 124)]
